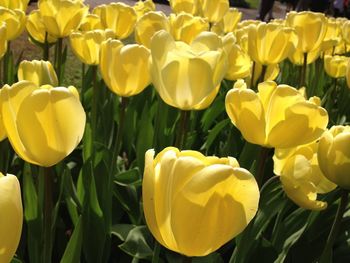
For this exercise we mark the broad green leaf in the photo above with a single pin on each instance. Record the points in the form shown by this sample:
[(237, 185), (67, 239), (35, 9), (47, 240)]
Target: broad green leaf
[(73, 249)]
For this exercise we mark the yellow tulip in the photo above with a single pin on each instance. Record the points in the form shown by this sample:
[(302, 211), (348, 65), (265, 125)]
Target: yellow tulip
[(239, 63), (301, 176), (276, 116), (334, 155), (148, 25), (187, 6), (15, 4), (11, 216), (3, 41), (187, 76), (91, 22), (310, 28), (181, 189), (335, 66), (270, 43), (229, 22), (15, 22), (185, 27), (143, 7), (61, 17), (214, 11), (39, 72), (86, 45), (125, 68), (345, 31), (36, 28), (43, 124), (119, 17), (297, 57)]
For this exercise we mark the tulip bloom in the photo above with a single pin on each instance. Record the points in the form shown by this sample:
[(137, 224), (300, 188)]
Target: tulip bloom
[(187, 6), (185, 27), (271, 72), (15, 4), (148, 25), (276, 116), (61, 17), (43, 124), (310, 28), (229, 22), (15, 22), (188, 76), (11, 216), (143, 7), (239, 63), (118, 17), (125, 68), (214, 11), (334, 155), (301, 176), (91, 22), (36, 28), (86, 45), (39, 72), (181, 189), (270, 43), (335, 66)]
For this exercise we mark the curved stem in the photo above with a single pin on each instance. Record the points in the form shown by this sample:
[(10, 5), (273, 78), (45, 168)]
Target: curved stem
[(327, 251), (182, 129), (268, 182)]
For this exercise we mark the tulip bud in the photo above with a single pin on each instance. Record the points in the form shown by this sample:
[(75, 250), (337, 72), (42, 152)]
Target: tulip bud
[(276, 116), (310, 28), (61, 17), (125, 68), (183, 188), (15, 4), (270, 43), (91, 22), (185, 27), (36, 28), (214, 11), (239, 62), (187, 6), (118, 17), (39, 72), (188, 76), (15, 22), (334, 155), (335, 66), (86, 45), (143, 7), (11, 216), (148, 25), (43, 124), (301, 176)]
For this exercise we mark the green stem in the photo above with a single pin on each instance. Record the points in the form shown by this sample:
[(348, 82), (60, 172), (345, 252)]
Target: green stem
[(182, 130), (261, 165), (59, 56), (186, 259), (46, 49), (95, 95), (122, 111), (47, 227), (263, 73), (303, 72), (327, 251), (82, 90), (156, 252)]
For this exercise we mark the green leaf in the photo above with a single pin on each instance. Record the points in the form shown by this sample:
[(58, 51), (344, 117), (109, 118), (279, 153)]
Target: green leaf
[(122, 230), (129, 177), (73, 249), (214, 133), (137, 243)]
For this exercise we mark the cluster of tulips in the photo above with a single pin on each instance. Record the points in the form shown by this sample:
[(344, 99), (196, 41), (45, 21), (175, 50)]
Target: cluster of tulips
[(98, 162)]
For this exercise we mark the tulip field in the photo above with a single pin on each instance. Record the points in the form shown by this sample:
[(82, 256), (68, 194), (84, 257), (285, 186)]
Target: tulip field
[(193, 136)]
